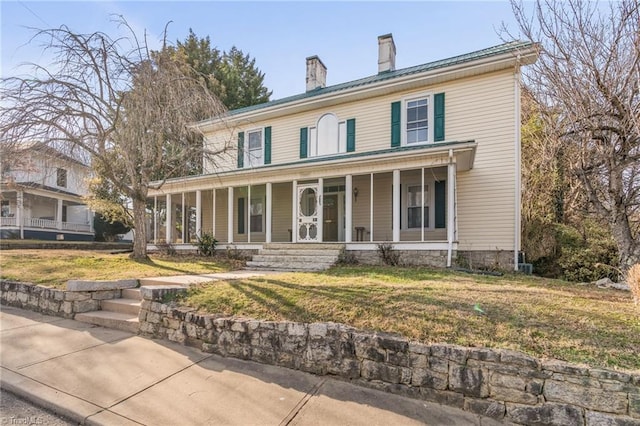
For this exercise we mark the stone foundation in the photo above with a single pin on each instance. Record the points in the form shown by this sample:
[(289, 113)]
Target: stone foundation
[(486, 259), (506, 385), (432, 258), (53, 301)]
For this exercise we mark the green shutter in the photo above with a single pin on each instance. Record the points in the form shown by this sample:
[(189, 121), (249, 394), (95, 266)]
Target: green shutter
[(267, 145), (240, 150), (395, 124), (241, 213), (441, 204), (303, 142), (438, 117), (351, 135)]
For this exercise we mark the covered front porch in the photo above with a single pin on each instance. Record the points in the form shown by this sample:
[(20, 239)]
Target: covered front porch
[(35, 213), (409, 201)]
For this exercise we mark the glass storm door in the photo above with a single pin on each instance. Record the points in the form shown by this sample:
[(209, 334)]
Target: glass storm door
[(308, 207)]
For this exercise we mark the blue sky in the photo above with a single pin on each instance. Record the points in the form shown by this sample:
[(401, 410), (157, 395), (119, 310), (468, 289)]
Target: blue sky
[(279, 35)]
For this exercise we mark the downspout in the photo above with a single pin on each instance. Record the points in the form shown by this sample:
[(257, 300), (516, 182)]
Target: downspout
[(449, 210), (518, 189)]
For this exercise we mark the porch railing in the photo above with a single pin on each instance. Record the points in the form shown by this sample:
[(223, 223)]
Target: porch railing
[(45, 224), (8, 221)]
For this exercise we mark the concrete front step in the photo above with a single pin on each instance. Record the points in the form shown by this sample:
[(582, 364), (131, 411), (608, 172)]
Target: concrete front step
[(123, 306), (117, 320), (131, 293), (293, 252), (302, 246), (286, 265), (294, 258)]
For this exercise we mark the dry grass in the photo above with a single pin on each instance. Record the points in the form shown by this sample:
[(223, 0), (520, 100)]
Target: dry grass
[(633, 280), (56, 267), (545, 318)]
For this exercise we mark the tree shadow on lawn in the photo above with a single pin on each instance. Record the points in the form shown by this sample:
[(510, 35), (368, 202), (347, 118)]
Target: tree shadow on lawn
[(432, 315)]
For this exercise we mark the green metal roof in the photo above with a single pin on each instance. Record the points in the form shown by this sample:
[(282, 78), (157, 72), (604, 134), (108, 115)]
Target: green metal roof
[(388, 75)]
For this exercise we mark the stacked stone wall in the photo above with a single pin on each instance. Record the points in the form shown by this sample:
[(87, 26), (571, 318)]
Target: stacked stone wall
[(507, 385), (53, 301)]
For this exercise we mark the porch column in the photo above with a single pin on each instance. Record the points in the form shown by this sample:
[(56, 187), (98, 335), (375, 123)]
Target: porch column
[(348, 216), (371, 209), (90, 219), (269, 194), (396, 206), (451, 206), (213, 212), (59, 216), (169, 219), (320, 210), (155, 219), (294, 211), (230, 215), (248, 213), (199, 213), (184, 220), (20, 212), (422, 204)]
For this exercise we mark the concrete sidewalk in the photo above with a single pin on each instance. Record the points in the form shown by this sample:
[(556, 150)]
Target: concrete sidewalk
[(95, 375)]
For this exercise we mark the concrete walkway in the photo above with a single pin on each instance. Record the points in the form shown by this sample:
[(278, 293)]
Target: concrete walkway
[(95, 375), (187, 280)]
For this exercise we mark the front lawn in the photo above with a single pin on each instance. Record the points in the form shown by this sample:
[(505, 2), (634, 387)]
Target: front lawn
[(542, 317), (56, 267)]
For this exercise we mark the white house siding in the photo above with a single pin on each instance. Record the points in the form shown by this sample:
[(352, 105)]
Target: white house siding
[(281, 214), (486, 194), (478, 108)]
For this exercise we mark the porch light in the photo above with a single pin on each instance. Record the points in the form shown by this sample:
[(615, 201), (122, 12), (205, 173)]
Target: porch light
[(355, 194)]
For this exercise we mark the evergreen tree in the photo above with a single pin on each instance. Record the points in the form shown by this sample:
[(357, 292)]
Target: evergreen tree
[(232, 76)]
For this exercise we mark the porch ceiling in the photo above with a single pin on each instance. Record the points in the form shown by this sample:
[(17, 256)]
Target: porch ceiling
[(405, 158)]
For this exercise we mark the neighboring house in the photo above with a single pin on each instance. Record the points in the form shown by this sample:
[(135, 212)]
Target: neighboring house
[(42, 197), (426, 158)]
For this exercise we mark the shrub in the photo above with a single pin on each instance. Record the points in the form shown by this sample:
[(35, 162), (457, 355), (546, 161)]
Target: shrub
[(166, 248), (633, 280), (388, 255), (206, 244), (347, 258), (587, 254)]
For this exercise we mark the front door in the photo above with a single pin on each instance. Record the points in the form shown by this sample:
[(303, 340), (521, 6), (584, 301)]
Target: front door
[(330, 216), (308, 207)]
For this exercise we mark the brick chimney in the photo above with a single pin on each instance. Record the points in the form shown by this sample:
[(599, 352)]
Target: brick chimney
[(316, 73), (386, 53)]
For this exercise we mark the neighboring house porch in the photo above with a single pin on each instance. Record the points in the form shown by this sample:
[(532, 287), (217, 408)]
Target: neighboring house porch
[(34, 211)]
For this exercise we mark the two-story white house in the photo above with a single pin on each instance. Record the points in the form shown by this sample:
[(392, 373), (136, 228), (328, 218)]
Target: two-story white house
[(425, 158), (42, 197)]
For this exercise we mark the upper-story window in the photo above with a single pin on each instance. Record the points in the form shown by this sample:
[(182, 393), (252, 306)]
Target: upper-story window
[(329, 136), (61, 178), (254, 153), (254, 147), (417, 122)]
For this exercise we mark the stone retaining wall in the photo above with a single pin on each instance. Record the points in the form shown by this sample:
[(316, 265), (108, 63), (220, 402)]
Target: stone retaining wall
[(53, 301), (506, 385)]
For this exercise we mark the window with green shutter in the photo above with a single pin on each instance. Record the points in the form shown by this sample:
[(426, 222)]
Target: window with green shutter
[(438, 117), (267, 145), (240, 150), (441, 204), (395, 124), (304, 142), (241, 215), (351, 135)]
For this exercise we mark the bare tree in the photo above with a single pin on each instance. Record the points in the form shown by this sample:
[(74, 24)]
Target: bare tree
[(587, 83), (128, 108)]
